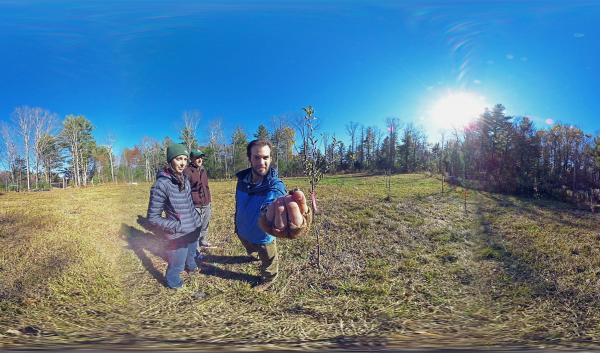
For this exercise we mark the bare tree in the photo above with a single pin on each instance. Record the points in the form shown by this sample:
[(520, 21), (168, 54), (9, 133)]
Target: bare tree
[(390, 147), (392, 139), (10, 150), (325, 142), (149, 148), (276, 124), (76, 136), (110, 141), (191, 118), (24, 118), (378, 138), (351, 130), (3, 151), (283, 139), (217, 144), (300, 122), (43, 123)]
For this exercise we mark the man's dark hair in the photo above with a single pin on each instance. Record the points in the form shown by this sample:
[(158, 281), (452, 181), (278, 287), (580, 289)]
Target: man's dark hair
[(259, 143)]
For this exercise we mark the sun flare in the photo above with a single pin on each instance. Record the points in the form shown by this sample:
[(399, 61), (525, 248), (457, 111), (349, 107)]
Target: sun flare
[(456, 110)]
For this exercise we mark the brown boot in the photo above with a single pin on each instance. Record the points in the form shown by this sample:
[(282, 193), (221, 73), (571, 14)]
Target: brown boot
[(265, 283)]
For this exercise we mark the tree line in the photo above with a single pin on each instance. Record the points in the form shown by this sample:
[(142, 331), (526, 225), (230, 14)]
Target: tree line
[(508, 154), (495, 152)]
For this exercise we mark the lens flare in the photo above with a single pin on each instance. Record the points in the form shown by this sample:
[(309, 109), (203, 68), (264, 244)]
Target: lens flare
[(456, 110)]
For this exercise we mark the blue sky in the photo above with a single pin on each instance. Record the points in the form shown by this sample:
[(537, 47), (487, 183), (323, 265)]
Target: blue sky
[(133, 67)]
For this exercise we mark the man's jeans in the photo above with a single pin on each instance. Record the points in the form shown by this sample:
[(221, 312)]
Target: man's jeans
[(180, 256), (204, 212)]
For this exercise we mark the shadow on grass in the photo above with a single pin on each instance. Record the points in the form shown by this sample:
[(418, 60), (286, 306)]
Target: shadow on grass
[(141, 242), (520, 271), (226, 260), (544, 283), (212, 270), (557, 210)]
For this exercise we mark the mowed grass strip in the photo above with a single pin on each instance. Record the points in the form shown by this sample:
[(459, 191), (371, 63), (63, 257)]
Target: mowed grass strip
[(414, 270), (548, 257)]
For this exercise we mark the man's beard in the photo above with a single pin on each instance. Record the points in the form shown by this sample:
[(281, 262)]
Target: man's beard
[(258, 174)]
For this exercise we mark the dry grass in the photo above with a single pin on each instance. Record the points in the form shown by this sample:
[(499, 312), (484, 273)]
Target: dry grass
[(549, 266), (76, 268)]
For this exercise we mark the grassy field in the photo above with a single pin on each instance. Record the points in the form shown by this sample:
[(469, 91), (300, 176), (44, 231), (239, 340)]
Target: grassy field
[(414, 271)]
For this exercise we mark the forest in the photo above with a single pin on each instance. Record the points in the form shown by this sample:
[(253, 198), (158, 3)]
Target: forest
[(495, 152)]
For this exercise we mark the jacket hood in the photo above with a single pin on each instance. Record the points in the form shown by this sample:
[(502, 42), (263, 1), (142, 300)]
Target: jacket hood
[(166, 173)]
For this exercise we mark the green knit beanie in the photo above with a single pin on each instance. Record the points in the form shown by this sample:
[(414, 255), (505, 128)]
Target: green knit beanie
[(174, 150)]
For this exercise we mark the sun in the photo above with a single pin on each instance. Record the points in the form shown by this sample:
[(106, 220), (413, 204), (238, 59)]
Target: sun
[(456, 110)]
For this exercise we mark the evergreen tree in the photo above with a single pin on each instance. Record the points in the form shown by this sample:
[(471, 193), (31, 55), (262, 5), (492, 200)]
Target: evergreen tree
[(262, 133), (239, 143)]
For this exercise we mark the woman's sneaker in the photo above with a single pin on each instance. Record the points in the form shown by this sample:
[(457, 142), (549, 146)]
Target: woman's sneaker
[(206, 245)]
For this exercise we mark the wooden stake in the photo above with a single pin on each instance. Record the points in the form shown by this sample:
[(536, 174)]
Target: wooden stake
[(442, 183)]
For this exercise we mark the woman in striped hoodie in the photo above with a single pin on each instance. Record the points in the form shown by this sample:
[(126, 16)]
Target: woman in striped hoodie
[(171, 193)]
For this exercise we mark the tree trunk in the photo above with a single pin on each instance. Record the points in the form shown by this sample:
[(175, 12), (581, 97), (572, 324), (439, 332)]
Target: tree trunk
[(112, 168), (27, 165), (84, 169)]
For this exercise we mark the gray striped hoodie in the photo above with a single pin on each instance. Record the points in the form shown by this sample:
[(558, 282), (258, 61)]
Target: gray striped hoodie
[(181, 217)]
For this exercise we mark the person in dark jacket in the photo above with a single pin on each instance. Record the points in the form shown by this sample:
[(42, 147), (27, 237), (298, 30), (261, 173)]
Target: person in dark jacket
[(171, 193), (261, 198), (198, 177)]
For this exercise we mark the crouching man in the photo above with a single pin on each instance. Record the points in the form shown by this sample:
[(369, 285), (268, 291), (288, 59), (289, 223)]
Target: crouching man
[(264, 210)]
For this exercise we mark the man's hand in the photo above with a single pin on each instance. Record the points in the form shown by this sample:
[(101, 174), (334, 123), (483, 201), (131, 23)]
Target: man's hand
[(287, 217)]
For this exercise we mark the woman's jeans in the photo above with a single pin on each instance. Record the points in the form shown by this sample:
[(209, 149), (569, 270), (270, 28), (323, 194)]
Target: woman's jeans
[(181, 254)]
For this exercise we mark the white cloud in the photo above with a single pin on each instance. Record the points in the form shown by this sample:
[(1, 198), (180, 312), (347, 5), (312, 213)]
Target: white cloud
[(549, 121), (477, 82), (490, 62), (578, 35), (510, 56), (524, 59)]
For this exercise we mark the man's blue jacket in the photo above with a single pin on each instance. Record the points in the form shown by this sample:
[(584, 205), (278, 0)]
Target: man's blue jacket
[(249, 198)]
